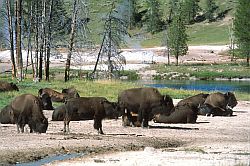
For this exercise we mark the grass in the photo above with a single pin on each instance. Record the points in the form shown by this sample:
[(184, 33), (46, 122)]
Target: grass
[(207, 71), (106, 88)]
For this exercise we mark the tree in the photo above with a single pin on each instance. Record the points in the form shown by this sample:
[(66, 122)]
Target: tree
[(19, 57), (153, 15), (72, 37), (190, 10), (209, 10), (115, 28), (11, 38), (177, 37), (242, 28)]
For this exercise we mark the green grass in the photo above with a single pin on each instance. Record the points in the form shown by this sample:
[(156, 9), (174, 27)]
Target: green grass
[(106, 88), (207, 71)]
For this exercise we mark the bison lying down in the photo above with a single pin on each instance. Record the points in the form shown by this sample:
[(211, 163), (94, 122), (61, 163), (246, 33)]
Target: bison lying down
[(7, 115), (186, 113), (28, 109), (88, 108), (218, 104), (57, 96), (5, 86)]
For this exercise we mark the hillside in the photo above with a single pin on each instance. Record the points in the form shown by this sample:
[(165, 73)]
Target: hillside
[(199, 33)]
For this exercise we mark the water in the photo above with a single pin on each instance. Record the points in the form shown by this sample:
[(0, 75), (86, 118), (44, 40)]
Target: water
[(50, 159), (201, 85)]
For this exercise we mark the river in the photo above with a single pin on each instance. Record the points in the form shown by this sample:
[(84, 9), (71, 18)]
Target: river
[(200, 85)]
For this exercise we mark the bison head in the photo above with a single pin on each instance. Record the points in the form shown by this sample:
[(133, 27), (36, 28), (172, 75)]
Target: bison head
[(47, 104), (111, 109), (168, 101), (41, 127), (231, 99)]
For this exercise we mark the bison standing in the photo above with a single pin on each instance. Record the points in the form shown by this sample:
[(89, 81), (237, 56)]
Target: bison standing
[(28, 109), (88, 108), (146, 102)]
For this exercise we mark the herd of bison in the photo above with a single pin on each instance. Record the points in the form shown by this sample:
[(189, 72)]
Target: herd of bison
[(136, 106)]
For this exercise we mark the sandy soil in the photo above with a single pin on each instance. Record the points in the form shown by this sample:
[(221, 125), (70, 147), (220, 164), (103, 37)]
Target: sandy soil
[(216, 136)]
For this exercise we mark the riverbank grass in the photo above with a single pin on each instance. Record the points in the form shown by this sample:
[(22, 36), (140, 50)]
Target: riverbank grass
[(106, 88)]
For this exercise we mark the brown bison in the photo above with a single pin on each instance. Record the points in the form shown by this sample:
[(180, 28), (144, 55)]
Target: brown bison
[(7, 115), (28, 109), (57, 96), (59, 113), (146, 102), (88, 108), (5, 86), (47, 104), (219, 104), (195, 100), (185, 113)]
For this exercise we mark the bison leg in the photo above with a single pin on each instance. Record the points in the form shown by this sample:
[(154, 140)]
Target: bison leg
[(98, 125), (66, 127), (143, 117)]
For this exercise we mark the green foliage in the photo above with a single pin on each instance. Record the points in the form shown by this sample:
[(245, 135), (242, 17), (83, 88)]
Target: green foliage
[(177, 37), (242, 28), (190, 10), (153, 15), (210, 9)]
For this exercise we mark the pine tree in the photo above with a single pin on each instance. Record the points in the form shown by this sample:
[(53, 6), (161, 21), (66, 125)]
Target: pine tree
[(152, 15), (242, 28), (209, 10), (190, 10), (177, 37)]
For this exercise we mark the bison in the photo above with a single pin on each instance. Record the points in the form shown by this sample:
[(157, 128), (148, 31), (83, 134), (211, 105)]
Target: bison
[(5, 86), (88, 108), (146, 102), (28, 109), (57, 96), (195, 100), (185, 113), (7, 115), (219, 104), (59, 113), (47, 104)]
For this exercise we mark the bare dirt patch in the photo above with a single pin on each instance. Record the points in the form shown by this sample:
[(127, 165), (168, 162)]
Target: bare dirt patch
[(213, 135)]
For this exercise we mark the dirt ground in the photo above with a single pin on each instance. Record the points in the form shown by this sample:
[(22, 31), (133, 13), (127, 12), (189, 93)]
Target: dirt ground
[(213, 135)]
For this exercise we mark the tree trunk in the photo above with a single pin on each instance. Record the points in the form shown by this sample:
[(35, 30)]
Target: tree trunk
[(29, 40), (10, 27), (72, 36), (110, 66), (49, 40), (36, 41), (41, 31), (19, 39)]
